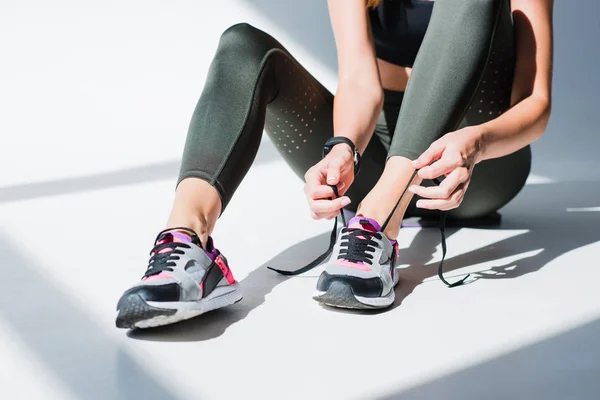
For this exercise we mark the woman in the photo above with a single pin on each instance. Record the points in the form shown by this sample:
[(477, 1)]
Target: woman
[(479, 94)]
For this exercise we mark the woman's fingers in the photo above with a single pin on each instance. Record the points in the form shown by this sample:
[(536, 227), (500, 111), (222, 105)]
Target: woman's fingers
[(445, 204), (334, 171), (448, 195), (323, 191), (324, 208), (321, 197), (445, 189), (443, 166), (434, 152), (312, 179)]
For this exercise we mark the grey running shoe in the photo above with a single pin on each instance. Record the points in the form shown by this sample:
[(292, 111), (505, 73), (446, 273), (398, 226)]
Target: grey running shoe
[(183, 280), (360, 273)]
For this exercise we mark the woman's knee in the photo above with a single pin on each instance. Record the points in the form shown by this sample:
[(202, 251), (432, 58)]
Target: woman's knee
[(239, 33), (245, 44)]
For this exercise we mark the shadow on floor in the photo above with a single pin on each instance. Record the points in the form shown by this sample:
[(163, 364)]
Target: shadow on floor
[(256, 286), (566, 366), (551, 230), (107, 180), (65, 340)]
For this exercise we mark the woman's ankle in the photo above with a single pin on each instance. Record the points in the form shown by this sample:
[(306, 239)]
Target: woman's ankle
[(391, 230), (197, 224), (197, 206), (380, 201)]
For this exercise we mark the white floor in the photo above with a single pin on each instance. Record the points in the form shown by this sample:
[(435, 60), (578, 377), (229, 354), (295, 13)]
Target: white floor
[(96, 97)]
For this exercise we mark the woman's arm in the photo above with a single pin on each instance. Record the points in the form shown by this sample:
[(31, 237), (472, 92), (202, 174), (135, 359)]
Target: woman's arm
[(356, 106), (359, 96), (526, 121)]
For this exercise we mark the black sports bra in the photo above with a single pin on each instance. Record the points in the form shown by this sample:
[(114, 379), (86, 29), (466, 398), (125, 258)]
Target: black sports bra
[(399, 28)]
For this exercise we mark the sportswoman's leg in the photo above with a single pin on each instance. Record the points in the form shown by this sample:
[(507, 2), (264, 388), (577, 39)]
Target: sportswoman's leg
[(466, 60), (253, 83)]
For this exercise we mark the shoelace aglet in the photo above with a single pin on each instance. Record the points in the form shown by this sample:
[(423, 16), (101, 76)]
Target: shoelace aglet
[(283, 272), (457, 283)]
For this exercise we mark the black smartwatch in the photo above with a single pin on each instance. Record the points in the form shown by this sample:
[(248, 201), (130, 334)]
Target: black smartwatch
[(343, 140)]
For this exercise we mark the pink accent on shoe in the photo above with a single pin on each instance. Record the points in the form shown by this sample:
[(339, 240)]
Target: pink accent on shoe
[(361, 266), (225, 270), (395, 263), (174, 237), (162, 275), (181, 237), (371, 226)]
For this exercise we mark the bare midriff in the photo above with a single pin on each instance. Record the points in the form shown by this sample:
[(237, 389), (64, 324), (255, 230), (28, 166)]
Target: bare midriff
[(393, 77)]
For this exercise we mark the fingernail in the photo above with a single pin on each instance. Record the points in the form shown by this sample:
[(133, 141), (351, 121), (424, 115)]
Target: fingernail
[(345, 201), (341, 186), (412, 189), (419, 204), (331, 179), (415, 162)]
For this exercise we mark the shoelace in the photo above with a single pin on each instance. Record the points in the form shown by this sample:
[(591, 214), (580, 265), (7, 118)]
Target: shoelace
[(165, 261), (322, 257), (333, 238), (161, 260), (358, 245)]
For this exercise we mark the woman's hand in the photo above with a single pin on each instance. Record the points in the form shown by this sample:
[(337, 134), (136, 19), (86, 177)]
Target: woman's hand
[(336, 169), (454, 155)]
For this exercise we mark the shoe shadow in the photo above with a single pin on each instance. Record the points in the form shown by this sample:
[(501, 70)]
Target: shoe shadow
[(557, 218), (256, 286)]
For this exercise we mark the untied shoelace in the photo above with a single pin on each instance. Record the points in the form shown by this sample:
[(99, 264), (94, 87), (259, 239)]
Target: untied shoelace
[(333, 238)]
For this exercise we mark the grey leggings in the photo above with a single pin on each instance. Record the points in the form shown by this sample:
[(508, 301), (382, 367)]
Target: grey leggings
[(462, 76)]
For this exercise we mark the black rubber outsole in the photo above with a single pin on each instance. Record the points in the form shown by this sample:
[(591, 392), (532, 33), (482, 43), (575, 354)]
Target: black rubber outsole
[(134, 309), (341, 295)]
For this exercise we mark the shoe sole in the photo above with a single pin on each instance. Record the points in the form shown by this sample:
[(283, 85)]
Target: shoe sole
[(136, 313), (341, 295)]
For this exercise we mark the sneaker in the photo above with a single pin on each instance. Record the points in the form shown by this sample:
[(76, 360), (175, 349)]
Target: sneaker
[(360, 273), (183, 280)]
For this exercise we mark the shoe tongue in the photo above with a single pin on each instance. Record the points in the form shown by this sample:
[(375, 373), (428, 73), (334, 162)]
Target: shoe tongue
[(174, 236), (364, 223)]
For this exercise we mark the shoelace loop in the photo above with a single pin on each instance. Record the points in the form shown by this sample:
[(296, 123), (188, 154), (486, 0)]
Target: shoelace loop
[(164, 261), (357, 245)]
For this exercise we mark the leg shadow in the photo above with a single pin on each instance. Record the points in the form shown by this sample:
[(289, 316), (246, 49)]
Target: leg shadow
[(64, 338), (108, 180), (565, 366), (552, 230)]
